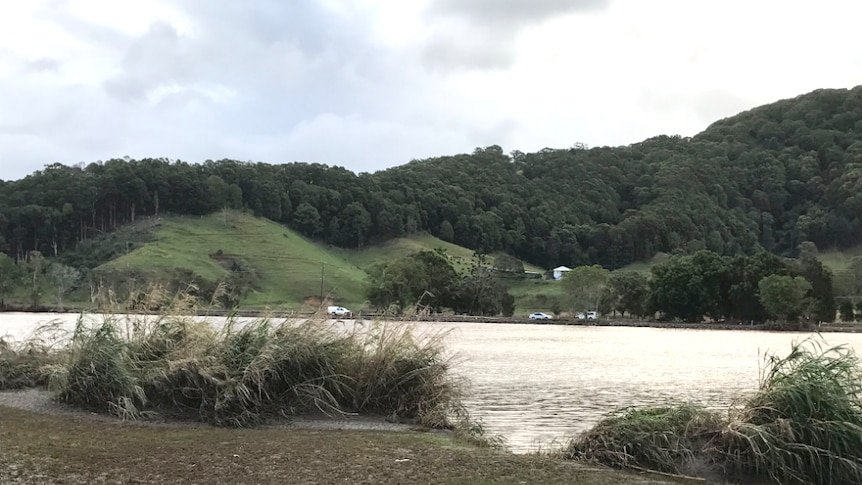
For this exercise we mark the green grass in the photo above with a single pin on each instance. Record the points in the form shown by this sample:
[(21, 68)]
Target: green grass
[(288, 267), (839, 261), (461, 257), (277, 268), (538, 296), (645, 266)]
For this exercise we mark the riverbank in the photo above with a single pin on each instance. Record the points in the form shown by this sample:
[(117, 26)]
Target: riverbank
[(843, 327), (81, 449)]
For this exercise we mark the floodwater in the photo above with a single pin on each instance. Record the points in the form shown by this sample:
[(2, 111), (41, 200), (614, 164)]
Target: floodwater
[(537, 386)]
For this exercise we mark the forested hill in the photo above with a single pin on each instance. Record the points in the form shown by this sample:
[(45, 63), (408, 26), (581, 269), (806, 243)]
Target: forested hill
[(771, 177)]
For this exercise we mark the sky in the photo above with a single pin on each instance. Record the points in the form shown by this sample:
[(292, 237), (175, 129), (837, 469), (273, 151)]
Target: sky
[(371, 84)]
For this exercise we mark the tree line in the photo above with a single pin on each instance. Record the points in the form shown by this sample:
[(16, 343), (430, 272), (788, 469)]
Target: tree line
[(767, 179)]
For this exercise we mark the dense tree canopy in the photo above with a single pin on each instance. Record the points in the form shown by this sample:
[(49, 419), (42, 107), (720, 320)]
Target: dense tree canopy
[(768, 178)]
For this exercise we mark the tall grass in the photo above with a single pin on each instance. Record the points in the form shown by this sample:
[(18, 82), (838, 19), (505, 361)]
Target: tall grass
[(28, 363), (246, 372), (802, 426), (676, 439)]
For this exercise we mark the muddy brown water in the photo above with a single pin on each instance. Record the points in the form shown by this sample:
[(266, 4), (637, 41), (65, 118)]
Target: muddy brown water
[(537, 386)]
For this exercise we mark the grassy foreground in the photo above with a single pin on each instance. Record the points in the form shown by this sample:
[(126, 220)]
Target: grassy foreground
[(803, 426), (43, 448)]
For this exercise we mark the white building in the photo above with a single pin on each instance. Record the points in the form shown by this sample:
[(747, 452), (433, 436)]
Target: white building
[(559, 271)]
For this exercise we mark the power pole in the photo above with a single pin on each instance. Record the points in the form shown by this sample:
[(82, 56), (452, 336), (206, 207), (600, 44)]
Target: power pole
[(322, 275)]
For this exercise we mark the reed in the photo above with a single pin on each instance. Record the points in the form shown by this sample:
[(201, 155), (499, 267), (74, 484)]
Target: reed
[(395, 371), (802, 426), (29, 363), (244, 372), (677, 439)]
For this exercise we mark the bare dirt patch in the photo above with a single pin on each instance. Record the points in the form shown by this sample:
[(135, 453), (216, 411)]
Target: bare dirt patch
[(58, 445)]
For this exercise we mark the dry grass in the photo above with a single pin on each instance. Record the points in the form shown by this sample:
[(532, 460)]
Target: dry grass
[(246, 373)]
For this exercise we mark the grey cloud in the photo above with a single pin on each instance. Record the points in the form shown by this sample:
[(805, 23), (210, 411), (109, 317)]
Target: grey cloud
[(243, 72), (44, 64), (509, 13), (479, 34), (447, 53)]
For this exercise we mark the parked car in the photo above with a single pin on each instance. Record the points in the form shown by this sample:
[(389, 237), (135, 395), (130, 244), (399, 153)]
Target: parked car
[(588, 316), (540, 316), (339, 311)]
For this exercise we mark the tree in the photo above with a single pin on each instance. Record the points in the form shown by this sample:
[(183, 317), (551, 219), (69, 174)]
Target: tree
[(627, 292), (845, 310), (821, 293), (9, 275), (784, 296), (35, 267), (746, 273), (689, 287), (65, 279), (585, 285), (306, 218), (425, 278), (447, 232), (508, 264), (481, 293)]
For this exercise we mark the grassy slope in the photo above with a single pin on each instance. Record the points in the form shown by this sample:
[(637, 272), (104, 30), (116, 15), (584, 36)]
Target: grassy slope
[(839, 261), (289, 265), (461, 257)]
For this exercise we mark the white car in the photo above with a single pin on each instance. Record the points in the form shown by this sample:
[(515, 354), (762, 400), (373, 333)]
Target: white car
[(540, 316), (588, 316), (339, 311)]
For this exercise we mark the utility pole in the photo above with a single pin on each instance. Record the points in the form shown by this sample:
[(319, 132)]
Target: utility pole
[(322, 275)]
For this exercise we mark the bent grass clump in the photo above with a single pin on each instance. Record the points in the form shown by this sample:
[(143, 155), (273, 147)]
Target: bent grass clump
[(803, 426), (245, 372)]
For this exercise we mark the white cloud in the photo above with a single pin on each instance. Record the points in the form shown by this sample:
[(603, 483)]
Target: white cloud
[(368, 84)]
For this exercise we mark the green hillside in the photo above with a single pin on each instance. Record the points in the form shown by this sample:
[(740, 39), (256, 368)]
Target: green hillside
[(288, 268), (461, 257)]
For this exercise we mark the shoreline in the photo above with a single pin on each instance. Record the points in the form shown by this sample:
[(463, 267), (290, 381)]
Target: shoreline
[(807, 327)]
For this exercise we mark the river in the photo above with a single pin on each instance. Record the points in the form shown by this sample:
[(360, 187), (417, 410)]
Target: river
[(539, 385)]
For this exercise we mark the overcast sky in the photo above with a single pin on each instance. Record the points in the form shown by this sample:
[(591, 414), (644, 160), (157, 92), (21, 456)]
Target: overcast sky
[(369, 84)]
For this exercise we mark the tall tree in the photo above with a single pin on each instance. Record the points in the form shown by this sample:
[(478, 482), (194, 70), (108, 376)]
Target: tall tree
[(784, 296), (585, 286), (10, 273), (65, 279)]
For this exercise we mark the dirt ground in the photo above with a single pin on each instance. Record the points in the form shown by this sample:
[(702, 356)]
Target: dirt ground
[(53, 446)]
